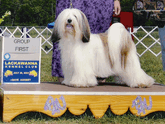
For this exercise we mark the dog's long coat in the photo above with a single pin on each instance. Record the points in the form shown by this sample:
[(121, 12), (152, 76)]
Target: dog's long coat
[(86, 56)]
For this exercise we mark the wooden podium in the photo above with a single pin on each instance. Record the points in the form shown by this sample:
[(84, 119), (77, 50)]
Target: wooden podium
[(54, 99)]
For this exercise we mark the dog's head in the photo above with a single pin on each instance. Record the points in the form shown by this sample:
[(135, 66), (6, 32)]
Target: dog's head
[(71, 22)]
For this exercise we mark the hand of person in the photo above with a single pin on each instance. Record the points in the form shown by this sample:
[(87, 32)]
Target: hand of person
[(117, 7)]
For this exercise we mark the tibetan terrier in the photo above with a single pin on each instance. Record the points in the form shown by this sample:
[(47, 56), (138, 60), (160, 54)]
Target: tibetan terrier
[(86, 56)]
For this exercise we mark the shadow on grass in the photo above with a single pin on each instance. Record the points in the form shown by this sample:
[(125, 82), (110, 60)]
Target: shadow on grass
[(40, 116), (156, 115)]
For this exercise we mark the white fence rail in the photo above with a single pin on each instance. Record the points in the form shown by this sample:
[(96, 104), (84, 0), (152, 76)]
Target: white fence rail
[(30, 32), (154, 41), (145, 39)]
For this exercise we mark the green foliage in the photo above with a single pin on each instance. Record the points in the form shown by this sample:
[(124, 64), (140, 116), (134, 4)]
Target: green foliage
[(126, 5), (42, 12), (149, 23), (28, 12), (7, 13)]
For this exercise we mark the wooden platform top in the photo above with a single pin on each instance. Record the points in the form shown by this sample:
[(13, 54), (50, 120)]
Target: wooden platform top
[(59, 89)]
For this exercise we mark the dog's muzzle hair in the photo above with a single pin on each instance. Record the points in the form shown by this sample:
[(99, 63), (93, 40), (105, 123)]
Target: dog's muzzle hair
[(71, 21)]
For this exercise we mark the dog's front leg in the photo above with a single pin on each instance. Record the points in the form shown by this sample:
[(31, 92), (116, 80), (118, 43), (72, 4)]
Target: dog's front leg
[(83, 80), (67, 71), (83, 75)]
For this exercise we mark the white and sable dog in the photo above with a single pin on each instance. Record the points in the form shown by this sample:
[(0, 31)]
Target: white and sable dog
[(86, 56)]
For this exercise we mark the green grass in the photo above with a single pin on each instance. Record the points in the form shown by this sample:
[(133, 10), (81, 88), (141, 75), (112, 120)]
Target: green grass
[(152, 65), (46, 68)]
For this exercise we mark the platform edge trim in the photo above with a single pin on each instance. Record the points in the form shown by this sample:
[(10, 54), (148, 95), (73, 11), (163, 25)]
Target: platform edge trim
[(80, 93)]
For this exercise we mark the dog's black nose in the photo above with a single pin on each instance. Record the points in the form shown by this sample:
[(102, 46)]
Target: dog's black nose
[(69, 20)]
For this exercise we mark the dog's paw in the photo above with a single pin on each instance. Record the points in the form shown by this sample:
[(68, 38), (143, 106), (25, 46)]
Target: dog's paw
[(65, 82), (78, 85), (82, 84), (145, 83)]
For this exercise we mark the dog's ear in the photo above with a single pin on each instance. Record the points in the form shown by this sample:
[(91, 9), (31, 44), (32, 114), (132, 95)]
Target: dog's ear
[(55, 34), (85, 29)]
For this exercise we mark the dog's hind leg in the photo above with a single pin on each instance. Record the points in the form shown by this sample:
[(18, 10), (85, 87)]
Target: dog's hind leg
[(125, 61), (133, 75)]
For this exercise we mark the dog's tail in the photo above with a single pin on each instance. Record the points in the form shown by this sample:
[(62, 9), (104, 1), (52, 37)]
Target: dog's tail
[(119, 43)]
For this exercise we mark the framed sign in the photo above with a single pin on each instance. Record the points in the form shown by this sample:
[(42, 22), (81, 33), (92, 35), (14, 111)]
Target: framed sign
[(20, 60)]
